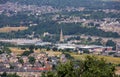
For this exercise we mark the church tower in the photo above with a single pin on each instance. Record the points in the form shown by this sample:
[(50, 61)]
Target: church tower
[(61, 36)]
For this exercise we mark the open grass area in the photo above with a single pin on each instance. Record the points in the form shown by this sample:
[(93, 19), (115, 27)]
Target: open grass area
[(20, 51), (56, 53), (9, 29), (111, 59), (50, 52), (16, 50)]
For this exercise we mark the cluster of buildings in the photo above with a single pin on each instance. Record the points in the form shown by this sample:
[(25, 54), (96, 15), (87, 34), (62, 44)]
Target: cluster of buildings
[(113, 25), (35, 10), (21, 41), (16, 8), (11, 9), (44, 61), (94, 49), (11, 63)]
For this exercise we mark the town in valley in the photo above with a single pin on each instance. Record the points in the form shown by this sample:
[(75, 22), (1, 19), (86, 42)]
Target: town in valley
[(37, 36)]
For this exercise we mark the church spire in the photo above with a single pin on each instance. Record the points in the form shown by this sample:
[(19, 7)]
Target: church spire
[(61, 36)]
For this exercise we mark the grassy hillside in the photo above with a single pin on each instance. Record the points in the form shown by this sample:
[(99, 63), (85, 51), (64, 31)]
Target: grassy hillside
[(114, 60)]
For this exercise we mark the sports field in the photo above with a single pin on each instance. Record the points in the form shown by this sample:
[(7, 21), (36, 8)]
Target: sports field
[(9, 29)]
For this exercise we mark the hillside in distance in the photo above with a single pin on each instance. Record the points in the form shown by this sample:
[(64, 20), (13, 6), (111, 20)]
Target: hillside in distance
[(3, 1), (71, 3), (73, 16)]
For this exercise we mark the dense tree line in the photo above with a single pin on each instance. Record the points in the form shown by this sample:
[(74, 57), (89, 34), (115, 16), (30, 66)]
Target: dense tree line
[(16, 20), (54, 28)]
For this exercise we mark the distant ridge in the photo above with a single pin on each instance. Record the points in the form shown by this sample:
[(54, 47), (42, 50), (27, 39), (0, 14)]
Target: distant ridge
[(3, 1), (65, 3), (111, 0)]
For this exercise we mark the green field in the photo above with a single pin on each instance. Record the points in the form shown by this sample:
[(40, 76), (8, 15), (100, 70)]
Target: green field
[(110, 59)]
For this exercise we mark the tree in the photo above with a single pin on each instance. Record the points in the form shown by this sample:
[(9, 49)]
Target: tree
[(32, 60), (21, 61), (11, 66), (78, 38), (6, 50), (31, 47), (4, 74), (66, 70), (27, 53), (44, 74), (23, 48), (89, 39), (68, 56), (111, 43), (13, 75), (48, 48), (86, 51), (1, 52), (94, 67), (49, 74), (54, 49)]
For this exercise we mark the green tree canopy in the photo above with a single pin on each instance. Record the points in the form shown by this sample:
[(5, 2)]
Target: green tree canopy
[(90, 67), (111, 43), (21, 61), (31, 60)]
